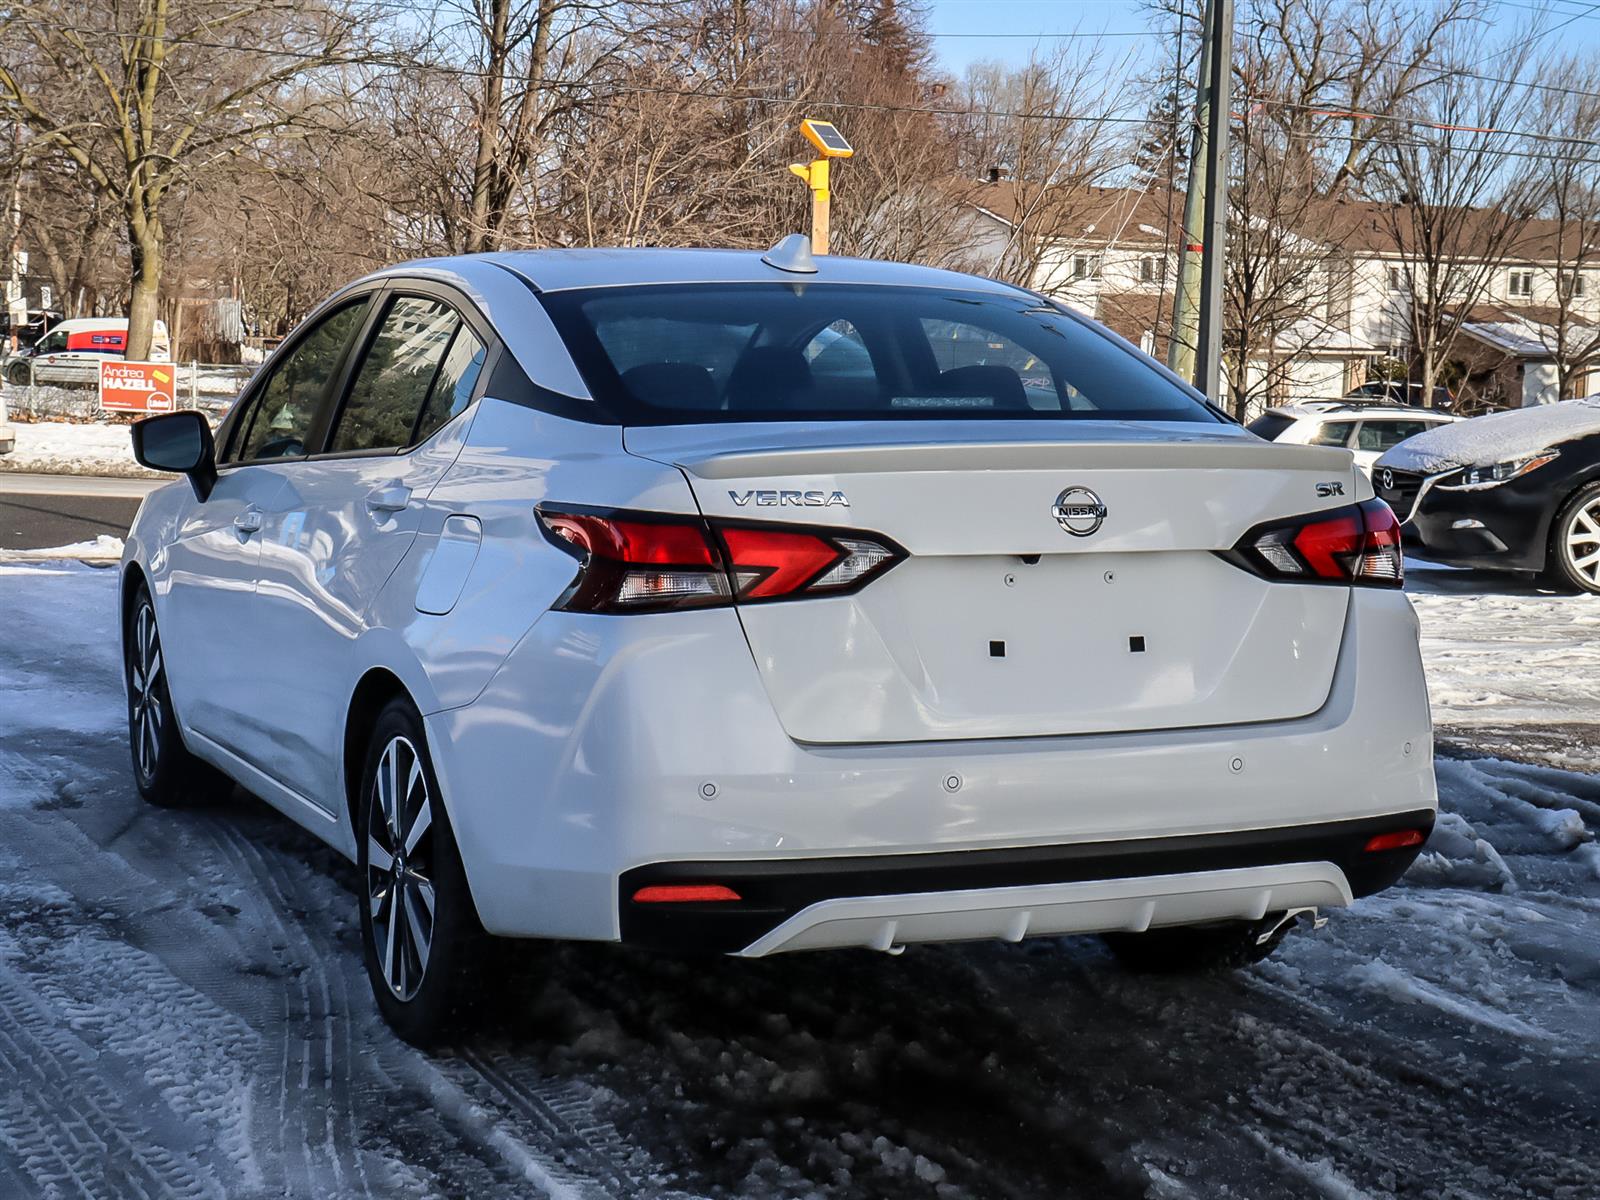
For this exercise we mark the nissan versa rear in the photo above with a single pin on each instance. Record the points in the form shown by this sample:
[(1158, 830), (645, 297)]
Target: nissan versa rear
[(719, 601)]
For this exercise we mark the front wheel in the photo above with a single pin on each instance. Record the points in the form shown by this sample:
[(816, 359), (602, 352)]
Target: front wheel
[(420, 933), (164, 771), (1575, 541)]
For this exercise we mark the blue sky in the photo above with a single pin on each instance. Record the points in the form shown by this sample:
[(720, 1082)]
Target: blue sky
[(968, 30)]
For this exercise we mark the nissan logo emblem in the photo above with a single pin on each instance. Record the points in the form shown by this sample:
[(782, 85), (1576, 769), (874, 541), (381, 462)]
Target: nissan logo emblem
[(1078, 511)]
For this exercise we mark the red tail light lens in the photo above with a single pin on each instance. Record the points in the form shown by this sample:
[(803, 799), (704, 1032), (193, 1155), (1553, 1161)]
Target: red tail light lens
[(1399, 840), (685, 893), (1356, 545), (646, 562)]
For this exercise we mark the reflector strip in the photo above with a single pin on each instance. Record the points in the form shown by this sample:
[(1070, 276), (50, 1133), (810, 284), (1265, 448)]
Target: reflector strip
[(1398, 840), (683, 893)]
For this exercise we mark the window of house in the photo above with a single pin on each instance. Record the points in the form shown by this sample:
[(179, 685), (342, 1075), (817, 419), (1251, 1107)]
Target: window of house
[(1397, 279), (1572, 284), (1520, 284), (1086, 266), (1149, 269)]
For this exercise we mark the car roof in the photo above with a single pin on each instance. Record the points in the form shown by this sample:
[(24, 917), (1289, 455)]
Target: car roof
[(561, 270), (1342, 410)]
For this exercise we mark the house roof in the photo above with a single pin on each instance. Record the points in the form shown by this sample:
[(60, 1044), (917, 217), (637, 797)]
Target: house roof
[(1154, 217), (1128, 216)]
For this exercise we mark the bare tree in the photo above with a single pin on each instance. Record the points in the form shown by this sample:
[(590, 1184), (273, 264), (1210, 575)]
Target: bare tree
[(1569, 196), (1042, 128), (140, 96), (1455, 204)]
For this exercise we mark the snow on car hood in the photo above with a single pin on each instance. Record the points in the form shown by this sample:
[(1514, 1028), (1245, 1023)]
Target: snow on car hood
[(1498, 437)]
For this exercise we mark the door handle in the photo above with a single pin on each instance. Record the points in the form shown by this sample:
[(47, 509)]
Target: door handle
[(248, 522), (389, 499)]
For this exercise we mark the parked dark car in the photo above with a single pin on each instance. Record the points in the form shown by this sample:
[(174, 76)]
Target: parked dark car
[(1511, 491)]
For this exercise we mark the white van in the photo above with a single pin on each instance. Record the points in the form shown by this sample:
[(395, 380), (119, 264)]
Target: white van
[(71, 353)]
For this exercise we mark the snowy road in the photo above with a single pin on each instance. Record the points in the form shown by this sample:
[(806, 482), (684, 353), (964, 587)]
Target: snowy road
[(182, 1010)]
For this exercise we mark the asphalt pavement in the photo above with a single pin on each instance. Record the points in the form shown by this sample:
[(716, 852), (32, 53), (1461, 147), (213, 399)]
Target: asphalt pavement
[(38, 511)]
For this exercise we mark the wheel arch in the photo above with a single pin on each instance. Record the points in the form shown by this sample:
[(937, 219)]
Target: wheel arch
[(132, 577), (372, 694)]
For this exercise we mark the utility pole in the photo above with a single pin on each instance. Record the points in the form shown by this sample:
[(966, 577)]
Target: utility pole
[(1194, 349)]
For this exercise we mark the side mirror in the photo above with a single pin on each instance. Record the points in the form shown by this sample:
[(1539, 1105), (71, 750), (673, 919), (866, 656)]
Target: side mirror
[(178, 441)]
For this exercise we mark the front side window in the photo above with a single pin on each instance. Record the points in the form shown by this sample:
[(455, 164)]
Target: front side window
[(396, 376), (52, 343), (682, 353), (284, 409)]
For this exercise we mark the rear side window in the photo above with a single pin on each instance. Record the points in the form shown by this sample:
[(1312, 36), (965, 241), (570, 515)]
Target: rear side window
[(454, 385), (1270, 425), (1382, 435), (686, 353), (396, 375), (1332, 433), (283, 410)]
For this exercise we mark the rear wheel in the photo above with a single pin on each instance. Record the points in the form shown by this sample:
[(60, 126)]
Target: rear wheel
[(421, 938), (164, 771), (1191, 949), (1575, 541)]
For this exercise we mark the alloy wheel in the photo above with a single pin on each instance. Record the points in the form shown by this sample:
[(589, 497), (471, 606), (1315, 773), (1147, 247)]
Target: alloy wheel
[(144, 674), (400, 887), (1583, 542)]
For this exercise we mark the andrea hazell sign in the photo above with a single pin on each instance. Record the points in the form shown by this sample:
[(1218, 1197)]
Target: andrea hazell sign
[(142, 387)]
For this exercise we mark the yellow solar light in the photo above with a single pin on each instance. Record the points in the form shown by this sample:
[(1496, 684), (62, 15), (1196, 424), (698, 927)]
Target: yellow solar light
[(825, 136)]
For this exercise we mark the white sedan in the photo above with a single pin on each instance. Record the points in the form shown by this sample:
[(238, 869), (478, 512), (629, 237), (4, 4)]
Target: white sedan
[(757, 603)]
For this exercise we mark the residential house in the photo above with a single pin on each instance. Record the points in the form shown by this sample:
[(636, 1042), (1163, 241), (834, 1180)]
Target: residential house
[(1112, 253)]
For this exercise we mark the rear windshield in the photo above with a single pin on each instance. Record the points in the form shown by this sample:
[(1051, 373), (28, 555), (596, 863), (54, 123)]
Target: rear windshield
[(1269, 425), (678, 354)]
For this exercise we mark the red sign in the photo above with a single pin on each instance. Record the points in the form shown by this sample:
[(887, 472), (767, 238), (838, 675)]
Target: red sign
[(142, 387), (98, 341)]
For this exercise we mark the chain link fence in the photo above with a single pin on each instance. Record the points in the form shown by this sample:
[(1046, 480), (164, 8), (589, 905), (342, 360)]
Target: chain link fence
[(209, 387)]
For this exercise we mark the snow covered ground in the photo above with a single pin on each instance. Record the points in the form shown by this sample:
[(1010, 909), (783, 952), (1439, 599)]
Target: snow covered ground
[(66, 448), (183, 1013)]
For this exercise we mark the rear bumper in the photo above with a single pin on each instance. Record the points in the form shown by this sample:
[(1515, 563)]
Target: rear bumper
[(607, 746), (881, 901)]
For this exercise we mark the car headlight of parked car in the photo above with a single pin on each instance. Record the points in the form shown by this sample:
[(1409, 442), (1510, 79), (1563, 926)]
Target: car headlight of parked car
[(1500, 472)]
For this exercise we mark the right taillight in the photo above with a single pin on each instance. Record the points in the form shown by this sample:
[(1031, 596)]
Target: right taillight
[(1357, 545), (648, 562)]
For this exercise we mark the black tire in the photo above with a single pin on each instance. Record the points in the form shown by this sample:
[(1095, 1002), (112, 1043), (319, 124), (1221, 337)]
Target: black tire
[(1194, 949), (164, 771), (1578, 518), (425, 967)]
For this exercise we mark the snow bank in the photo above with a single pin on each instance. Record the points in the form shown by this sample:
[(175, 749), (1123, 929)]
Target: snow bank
[(1497, 437), (65, 448), (104, 548)]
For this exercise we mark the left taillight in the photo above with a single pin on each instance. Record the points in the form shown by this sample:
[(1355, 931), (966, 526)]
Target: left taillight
[(1358, 545), (648, 562)]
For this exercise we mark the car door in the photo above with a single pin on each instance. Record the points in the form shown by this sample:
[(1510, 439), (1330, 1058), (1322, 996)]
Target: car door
[(209, 570), (344, 519)]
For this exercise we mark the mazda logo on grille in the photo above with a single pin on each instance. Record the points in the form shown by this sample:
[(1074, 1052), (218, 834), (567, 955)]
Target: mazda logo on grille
[(1386, 478), (1078, 511)]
